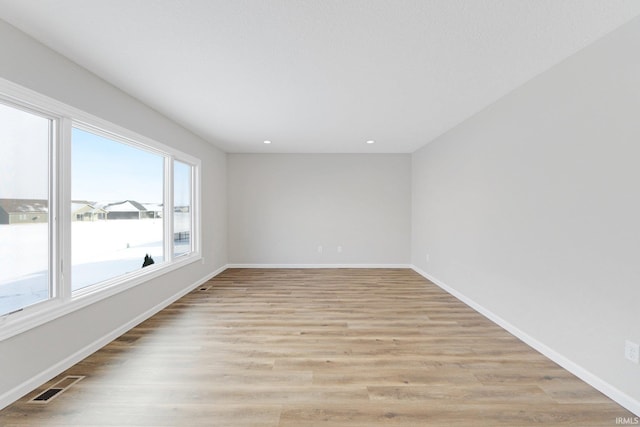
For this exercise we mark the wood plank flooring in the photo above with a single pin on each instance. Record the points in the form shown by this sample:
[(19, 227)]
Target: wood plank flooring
[(326, 347)]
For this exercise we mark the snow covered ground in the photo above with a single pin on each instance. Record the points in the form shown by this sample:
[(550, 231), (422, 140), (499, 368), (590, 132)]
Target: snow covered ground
[(101, 250)]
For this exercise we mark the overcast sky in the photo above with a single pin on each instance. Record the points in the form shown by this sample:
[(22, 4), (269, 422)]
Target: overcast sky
[(102, 170), (24, 140)]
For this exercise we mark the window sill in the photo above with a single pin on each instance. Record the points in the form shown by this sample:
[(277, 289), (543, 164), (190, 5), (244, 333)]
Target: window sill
[(41, 313)]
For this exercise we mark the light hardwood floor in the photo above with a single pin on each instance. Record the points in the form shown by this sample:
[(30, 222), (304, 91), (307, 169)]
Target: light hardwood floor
[(329, 347)]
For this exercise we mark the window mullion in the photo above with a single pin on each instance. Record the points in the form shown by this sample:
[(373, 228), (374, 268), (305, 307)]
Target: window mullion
[(168, 209), (195, 209), (43, 133), (63, 290)]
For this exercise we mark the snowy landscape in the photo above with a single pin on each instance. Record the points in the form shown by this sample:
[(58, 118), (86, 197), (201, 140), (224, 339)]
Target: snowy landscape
[(101, 250)]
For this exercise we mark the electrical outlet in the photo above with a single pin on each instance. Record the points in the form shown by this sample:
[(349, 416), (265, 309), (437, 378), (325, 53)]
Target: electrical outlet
[(339, 249), (319, 249), (632, 351), (427, 257)]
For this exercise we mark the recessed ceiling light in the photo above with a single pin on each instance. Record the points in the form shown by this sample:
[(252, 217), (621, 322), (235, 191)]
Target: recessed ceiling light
[(267, 142), (371, 141)]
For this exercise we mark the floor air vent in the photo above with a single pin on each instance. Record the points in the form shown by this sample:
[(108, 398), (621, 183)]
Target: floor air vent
[(56, 390)]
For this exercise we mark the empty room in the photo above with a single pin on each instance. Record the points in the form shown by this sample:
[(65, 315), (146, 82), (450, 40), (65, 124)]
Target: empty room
[(319, 213)]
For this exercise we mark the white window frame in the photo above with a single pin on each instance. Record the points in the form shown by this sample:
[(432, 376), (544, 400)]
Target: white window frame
[(62, 300), (194, 172)]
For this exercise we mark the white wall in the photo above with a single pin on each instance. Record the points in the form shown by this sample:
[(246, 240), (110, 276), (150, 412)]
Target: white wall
[(48, 347), (283, 206), (532, 209)]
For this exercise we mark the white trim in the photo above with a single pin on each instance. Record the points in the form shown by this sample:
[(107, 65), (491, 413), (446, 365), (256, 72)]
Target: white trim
[(168, 208), (63, 211), (319, 266), (585, 375), (37, 380), (609, 390), (38, 314), (196, 243), (63, 300), (56, 109)]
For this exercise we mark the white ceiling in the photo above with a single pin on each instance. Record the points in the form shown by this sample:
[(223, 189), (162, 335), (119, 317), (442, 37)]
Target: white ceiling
[(318, 76)]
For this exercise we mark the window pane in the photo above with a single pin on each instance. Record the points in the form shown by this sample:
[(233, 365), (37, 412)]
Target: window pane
[(24, 209), (116, 212), (182, 226)]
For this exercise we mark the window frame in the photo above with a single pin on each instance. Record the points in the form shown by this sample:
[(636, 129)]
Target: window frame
[(62, 300), (192, 210), (131, 143), (53, 147)]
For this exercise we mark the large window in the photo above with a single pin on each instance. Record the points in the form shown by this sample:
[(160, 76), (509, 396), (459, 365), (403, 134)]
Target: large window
[(87, 209), (26, 141), (116, 208)]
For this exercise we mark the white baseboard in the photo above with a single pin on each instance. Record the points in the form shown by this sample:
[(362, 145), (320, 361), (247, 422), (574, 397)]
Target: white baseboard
[(585, 375), (615, 394), (33, 383), (318, 266)]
